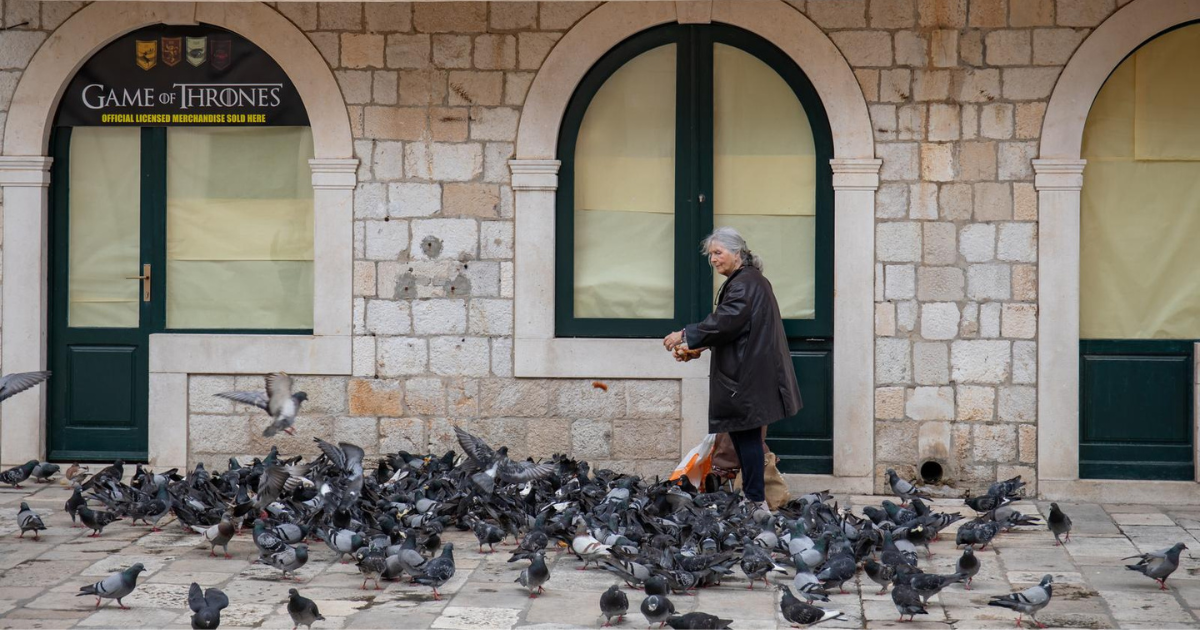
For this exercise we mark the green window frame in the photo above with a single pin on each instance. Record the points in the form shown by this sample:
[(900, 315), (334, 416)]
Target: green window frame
[(694, 209)]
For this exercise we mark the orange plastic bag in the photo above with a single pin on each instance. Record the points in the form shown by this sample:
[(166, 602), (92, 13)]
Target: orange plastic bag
[(697, 463)]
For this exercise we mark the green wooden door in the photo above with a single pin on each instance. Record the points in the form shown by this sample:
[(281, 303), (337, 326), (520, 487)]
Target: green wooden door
[(104, 225), (1135, 409)]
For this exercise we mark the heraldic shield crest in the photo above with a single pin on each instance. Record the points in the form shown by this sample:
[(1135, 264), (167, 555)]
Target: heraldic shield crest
[(146, 54), (197, 50), (222, 52), (172, 50)]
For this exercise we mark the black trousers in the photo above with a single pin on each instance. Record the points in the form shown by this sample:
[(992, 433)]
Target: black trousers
[(749, 446)]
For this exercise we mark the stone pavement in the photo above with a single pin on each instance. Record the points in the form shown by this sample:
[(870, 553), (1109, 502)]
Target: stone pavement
[(1091, 590)]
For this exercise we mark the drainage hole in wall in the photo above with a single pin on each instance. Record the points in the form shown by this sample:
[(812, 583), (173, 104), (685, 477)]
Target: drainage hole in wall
[(931, 472)]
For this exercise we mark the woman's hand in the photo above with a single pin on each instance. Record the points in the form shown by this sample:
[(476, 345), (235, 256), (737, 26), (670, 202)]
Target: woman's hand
[(672, 340)]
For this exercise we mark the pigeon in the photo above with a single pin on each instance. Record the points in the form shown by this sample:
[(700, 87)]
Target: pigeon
[(96, 521), (698, 620), (289, 559), (976, 533), (987, 502), (18, 382), (343, 541), (411, 560), (76, 474), (907, 601), (14, 476), (302, 610), (27, 520), (218, 535), (1059, 524), (535, 575), (837, 571), (929, 584), (807, 585), (1158, 564), (655, 585), (371, 563), (968, 565), (880, 574), (115, 586), (487, 534), (613, 603), (903, 489), (439, 570), (657, 609), (278, 400), (1028, 601), (586, 547), (206, 606), (495, 464), (73, 504), (1008, 487), (800, 613), (43, 472)]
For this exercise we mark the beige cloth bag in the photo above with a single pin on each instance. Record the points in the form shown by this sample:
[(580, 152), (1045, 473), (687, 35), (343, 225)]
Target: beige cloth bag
[(774, 487)]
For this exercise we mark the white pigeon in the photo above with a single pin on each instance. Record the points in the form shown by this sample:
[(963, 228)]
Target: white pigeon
[(586, 547)]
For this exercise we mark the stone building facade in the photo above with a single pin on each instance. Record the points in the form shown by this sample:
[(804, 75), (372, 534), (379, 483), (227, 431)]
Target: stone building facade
[(435, 94)]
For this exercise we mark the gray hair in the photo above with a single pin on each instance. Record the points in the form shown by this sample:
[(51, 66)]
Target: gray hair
[(731, 240)]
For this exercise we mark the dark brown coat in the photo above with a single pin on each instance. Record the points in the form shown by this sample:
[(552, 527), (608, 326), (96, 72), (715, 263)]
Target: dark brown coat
[(752, 382)]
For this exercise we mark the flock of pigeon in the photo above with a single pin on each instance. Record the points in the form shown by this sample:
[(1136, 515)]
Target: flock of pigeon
[(660, 537)]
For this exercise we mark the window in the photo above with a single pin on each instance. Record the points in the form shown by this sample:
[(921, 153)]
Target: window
[(676, 131)]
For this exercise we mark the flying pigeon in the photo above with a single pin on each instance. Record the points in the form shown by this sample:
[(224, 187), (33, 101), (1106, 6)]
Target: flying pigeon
[(968, 565), (613, 603), (535, 575), (302, 610), (115, 586), (657, 609), (44, 471), (698, 621), (496, 464), (903, 489), (20, 381), (800, 613), (439, 570), (1158, 564), (1028, 601), (27, 520), (278, 400), (14, 476), (1059, 524), (206, 607)]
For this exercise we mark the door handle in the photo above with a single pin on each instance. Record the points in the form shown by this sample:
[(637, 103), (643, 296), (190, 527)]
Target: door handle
[(145, 278)]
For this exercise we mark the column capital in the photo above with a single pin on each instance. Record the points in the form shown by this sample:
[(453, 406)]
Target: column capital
[(1058, 174), (334, 173), (856, 173), (25, 170), (534, 174)]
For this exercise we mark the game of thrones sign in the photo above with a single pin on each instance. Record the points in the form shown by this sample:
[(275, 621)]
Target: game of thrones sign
[(181, 75)]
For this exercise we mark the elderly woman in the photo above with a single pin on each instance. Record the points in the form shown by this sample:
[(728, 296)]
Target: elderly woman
[(751, 382)]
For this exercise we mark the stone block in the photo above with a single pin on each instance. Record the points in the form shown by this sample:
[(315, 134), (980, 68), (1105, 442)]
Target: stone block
[(516, 85), (1008, 48), (944, 120), (448, 124), (970, 122), (425, 396), (512, 16), (496, 240), (900, 282), (386, 240), (989, 282), (326, 394), (987, 13), (1027, 443), (361, 431), (591, 439), (1018, 242), (1025, 202), (930, 403), (996, 121), (993, 201), (995, 443), (955, 202), (407, 51), (1016, 160), (943, 48), (1029, 84), (892, 13), (924, 201), (439, 317), (453, 239), (939, 320), (495, 161), (931, 363), (219, 434), (883, 120), (450, 17), (969, 326), (491, 317), (891, 201), (976, 404), (355, 85), (989, 320), (895, 441), (892, 361), (370, 397), (885, 319), (1030, 13), (652, 399), (952, 13), (977, 242), (560, 16), (388, 16), (939, 243), (1024, 362), (645, 439), (474, 200), (1054, 46), (1019, 321), (387, 317), (865, 48), (532, 49), (970, 47), (911, 49), (439, 435), (337, 16), (910, 122), (976, 161), (548, 436), (402, 356), (899, 160), (502, 363), (1024, 283), (584, 399), (302, 14), (459, 356), (444, 162), (387, 160), (1017, 404), (943, 284), (451, 51), (414, 199), (1083, 12), (898, 241), (515, 397), (362, 50), (937, 162), (906, 315), (327, 45), (496, 52), (363, 356), (977, 85), (470, 87), (202, 396), (980, 361), (402, 434), (494, 123), (422, 87), (831, 14), (889, 403), (394, 123)]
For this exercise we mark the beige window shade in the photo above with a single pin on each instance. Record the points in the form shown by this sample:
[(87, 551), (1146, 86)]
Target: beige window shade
[(1140, 204), (104, 227), (625, 193), (239, 228), (764, 174)]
